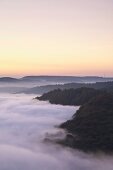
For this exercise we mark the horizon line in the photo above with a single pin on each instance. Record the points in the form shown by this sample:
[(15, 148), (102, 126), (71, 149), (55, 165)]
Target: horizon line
[(18, 77)]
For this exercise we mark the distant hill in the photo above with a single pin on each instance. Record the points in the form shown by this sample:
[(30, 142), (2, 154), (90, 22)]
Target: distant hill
[(67, 79), (58, 79), (8, 79), (45, 89), (70, 96), (93, 78), (91, 128), (43, 84)]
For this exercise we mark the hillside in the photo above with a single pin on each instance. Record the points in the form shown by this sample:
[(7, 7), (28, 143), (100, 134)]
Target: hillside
[(67, 79), (91, 128), (8, 79), (46, 88), (70, 96)]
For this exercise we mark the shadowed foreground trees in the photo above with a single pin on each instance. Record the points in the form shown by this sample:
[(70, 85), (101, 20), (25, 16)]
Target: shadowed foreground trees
[(70, 96), (91, 128)]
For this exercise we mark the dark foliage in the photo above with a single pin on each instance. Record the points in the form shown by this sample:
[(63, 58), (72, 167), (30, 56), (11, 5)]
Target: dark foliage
[(70, 96), (91, 128)]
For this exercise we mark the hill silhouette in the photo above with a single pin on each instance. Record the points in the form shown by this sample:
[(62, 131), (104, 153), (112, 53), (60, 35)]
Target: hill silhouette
[(91, 128), (108, 86), (70, 96)]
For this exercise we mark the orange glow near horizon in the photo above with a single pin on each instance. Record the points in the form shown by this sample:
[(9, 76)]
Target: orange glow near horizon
[(56, 37)]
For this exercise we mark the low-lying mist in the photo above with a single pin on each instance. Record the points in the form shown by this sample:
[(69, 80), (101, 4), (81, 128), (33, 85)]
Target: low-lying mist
[(24, 124), (15, 87)]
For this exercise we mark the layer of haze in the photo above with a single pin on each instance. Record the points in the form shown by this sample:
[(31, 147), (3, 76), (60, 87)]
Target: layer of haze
[(24, 124), (65, 37)]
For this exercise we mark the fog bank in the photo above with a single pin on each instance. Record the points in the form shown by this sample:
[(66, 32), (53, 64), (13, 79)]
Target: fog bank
[(24, 123)]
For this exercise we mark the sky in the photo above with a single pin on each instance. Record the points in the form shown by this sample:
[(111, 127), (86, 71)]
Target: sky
[(56, 37)]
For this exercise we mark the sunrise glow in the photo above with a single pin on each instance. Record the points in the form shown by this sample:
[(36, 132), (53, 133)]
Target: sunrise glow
[(63, 37)]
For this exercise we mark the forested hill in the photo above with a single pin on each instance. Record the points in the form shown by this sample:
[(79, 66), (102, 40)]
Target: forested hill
[(91, 128), (70, 96)]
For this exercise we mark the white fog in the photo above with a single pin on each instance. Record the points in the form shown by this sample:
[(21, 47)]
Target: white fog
[(24, 123)]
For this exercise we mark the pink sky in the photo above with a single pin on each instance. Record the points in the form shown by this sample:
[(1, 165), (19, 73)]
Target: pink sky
[(65, 37)]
